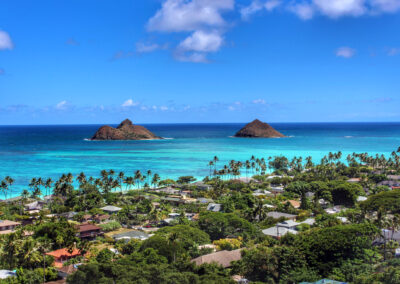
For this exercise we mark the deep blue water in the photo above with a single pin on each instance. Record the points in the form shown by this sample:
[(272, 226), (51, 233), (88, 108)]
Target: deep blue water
[(49, 151)]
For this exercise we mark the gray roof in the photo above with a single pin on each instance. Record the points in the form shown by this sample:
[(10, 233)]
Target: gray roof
[(111, 208), (288, 224), (214, 207), (131, 235), (278, 231), (277, 215)]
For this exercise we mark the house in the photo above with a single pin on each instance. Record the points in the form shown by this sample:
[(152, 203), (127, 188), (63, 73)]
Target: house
[(201, 185), (88, 231), (334, 209), (167, 190), (138, 235), (7, 227), (276, 189), (285, 227), (63, 255), (110, 209), (33, 207), (277, 232), (223, 258), (214, 207), (277, 215), (4, 274), (204, 200)]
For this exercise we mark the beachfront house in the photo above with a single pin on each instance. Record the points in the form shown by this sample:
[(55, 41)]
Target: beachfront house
[(110, 209), (88, 231), (63, 255), (7, 227)]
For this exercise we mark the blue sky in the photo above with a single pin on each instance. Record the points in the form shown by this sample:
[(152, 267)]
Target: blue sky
[(160, 61)]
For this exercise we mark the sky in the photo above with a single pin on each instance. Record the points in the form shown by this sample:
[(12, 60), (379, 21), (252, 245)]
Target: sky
[(185, 61)]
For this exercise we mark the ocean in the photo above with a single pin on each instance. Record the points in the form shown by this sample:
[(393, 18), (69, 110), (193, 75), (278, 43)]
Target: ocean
[(49, 151)]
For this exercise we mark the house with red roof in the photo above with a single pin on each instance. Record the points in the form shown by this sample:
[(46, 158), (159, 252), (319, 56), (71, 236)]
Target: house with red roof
[(63, 255)]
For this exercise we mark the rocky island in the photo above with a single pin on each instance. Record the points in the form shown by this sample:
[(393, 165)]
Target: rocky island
[(258, 129), (125, 131)]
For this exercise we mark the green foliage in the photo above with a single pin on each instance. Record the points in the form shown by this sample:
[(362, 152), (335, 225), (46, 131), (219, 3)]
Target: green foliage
[(110, 226), (325, 249), (220, 225), (388, 201), (187, 235), (59, 233), (185, 179)]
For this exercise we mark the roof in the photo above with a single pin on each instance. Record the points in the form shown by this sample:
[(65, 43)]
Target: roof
[(394, 177), (131, 235), (223, 258), (6, 223), (214, 207), (277, 215), (278, 231), (64, 252), (87, 227), (288, 224), (111, 208), (294, 203)]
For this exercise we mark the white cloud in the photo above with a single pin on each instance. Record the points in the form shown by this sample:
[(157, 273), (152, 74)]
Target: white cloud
[(183, 15), (304, 11), (203, 18), (129, 103), (345, 52), (163, 108), (202, 41), (259, 102), (5, 41), (272, 4), (61, 105), (71, 41), (341, 8), (231, 108), (257, 5), (144, 48), (338, 8)]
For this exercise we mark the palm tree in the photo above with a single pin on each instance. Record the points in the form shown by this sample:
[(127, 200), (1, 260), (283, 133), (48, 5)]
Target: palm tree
[(121, 176), (137, 177), (155, 180), (81, 178), (48, 184), (129, 181), (43, 247), (9, 182), (215, 162)]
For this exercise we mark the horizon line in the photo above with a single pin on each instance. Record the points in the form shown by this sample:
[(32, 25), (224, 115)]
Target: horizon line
[(199, 123)]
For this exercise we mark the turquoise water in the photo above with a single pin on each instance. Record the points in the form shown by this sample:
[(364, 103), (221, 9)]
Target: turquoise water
[(49, 151)]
